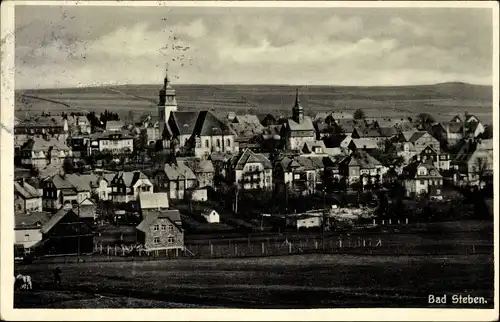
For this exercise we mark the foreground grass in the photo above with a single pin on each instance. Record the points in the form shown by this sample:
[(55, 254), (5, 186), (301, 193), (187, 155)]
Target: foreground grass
[(272, 282)]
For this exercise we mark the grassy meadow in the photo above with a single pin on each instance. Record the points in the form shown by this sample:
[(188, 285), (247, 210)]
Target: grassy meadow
[(441, 100)]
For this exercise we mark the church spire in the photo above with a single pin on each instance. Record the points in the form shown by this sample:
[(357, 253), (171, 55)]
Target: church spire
[(297, 110), (297, 100), (166, 82)]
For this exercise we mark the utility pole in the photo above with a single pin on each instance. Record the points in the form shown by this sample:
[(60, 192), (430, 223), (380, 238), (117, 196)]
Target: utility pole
[(323, 220)]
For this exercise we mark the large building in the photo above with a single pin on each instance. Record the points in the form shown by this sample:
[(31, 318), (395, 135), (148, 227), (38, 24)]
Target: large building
[(298, 129)]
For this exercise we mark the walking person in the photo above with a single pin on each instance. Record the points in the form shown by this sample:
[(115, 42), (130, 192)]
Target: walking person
[(57, 277)]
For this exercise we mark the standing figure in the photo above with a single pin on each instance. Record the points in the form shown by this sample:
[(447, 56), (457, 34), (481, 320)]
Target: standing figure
[(57, 277)]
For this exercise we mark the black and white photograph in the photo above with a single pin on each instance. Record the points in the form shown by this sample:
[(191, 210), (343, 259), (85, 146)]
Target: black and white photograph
[(174, 155)]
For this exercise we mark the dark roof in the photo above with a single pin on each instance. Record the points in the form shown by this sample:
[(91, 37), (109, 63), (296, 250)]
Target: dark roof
[(367, 132), (182, 123), (26, 190), (208, 124), (362, 159), (55, 219), (453, 127), (388, 131), (417, 135), (152, 215), (32, 220), (250, 157), (410, 171)]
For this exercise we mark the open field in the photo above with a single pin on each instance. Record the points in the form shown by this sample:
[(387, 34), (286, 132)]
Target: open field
[(441, 100), (425, 259), (303, 281)]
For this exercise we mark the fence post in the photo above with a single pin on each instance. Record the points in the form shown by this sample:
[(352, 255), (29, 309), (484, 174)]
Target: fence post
[(263, 248), (407, 221), (364, 243), (107, 248), (101, 248), (390, 221), (289, 247), (211, 250), (374, 222), (340, 243), (123, 251), (383, 221), (316, 244)]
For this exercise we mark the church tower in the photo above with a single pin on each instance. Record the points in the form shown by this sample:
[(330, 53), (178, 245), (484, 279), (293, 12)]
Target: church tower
[(297, 110), (167, 102)]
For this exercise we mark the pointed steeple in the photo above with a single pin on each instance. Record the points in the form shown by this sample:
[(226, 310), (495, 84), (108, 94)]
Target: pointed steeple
[(297, 100), (297, 110), (166, 81)]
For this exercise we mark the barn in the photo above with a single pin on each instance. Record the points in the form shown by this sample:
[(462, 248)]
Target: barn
[(67, 233)]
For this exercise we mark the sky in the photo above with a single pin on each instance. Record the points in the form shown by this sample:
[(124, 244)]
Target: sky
[(71, 46)]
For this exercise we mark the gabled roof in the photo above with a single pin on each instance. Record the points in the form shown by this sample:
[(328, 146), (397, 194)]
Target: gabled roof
[(87, 208), (182, 122), (152, 216), (305, 125), (453, 127), (248, 156), (411, 170), (309, 146), (37, 144), (198, 166), (365, 143), (79, 183), (156, 200), (367, 132), (310, 162), (208, 124), (457, 118), (468, 117), (341, 116), (34, 220), (130, 177), (417, 135), (387, 131), (208, 212), (26, 190), (362, 159), (55, 219), (178, 171), (61, 182)]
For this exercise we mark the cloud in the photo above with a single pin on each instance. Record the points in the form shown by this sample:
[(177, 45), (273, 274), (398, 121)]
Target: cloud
[(325, 46)]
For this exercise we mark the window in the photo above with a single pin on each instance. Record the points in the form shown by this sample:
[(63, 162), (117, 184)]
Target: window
[(163, 227), (156, 240), (171, 240), (218, 143), (170, 228), (207, 144), (156, 227), (26, 237), (422, 181), (228, 142)]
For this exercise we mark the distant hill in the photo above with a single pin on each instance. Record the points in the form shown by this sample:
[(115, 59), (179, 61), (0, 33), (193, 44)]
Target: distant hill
[(442, 100)]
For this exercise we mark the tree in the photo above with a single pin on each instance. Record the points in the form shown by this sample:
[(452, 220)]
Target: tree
[(425, 121), (359, 114)]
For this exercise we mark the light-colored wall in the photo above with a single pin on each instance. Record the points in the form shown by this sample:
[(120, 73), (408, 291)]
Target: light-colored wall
[(34, 236), (297, 143), (116, 144), (163, 235), (309, 222)]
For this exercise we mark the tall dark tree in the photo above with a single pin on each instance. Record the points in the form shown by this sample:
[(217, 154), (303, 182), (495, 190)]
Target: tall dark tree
[(359, 114)]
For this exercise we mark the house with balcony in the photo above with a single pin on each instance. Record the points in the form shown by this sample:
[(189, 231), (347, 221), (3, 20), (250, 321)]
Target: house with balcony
[(126, 186), (440, 160), (300, 173), (115, 142), (362, 168), (422, 178), (251, 170), (38, 153)]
